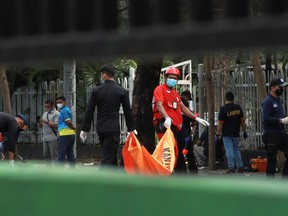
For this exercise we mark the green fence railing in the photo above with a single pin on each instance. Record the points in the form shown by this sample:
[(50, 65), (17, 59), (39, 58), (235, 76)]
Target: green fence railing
[(30, 190)]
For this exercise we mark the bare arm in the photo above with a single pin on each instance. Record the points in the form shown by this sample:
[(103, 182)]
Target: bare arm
[(52, 124), (161, 109), (40, 123), (187, 111), (49, 123), (219, 128), (70, 124), (243, 124)]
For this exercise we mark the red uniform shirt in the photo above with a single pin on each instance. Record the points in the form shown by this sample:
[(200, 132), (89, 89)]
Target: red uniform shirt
[(171, 103)]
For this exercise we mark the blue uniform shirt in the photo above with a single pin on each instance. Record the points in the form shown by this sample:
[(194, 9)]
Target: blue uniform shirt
[(273, 111), (64, 116)]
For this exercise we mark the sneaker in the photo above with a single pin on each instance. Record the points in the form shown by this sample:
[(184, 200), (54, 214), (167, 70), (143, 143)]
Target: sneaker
[(240, 170), (11, 163), (230, 171), (201, 167)]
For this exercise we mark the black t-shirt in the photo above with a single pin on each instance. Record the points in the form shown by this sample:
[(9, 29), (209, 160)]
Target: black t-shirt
[(186, 120), (231, 114)]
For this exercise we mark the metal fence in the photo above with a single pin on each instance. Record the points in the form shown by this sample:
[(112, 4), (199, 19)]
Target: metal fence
[(29, 100), (61, 29), (241, 81)]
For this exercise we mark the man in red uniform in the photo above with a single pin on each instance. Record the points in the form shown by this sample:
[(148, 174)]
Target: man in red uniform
[(168, 109)]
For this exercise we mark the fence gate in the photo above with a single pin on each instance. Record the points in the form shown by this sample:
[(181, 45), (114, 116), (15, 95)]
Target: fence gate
[(29, 100), (241, 81)]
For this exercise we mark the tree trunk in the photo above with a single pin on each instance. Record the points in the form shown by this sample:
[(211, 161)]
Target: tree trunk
[(259, 76), (4, 87), (147, 78), (210, 97), (268, 64)]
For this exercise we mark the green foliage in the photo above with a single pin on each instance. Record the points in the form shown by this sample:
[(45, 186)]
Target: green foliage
[(20, 75), (167, 61), (122, 67), (283, 57), (89, 71)]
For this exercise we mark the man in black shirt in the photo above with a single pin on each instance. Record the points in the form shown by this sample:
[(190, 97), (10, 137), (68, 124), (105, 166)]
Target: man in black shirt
[(274, 136), (229, 121), (189, 126), (108, 98), (10, 127), (187, 122)]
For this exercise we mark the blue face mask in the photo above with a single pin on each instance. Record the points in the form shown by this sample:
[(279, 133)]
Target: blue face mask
[(171, 82)]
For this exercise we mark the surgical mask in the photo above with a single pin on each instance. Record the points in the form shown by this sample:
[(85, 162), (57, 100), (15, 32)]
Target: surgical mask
[(171, 82), (279, 92), (60, 105)]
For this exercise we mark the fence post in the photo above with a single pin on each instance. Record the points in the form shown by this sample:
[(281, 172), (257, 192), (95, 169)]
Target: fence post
[(131, 83), (200, 95), (69, 70), (219, 90)]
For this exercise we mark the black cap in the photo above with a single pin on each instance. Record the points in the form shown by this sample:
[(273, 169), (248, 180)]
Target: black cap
[(187, 93), (26, 122), (278, 82)]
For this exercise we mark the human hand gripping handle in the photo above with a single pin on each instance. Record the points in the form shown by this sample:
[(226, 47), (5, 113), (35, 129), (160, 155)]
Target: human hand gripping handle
[(134, 131), (168, 122), (202, 121), (128, 133), (83, 136), (284, 120)]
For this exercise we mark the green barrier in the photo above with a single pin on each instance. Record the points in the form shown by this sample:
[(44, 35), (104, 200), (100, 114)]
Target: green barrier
[(38, 191)]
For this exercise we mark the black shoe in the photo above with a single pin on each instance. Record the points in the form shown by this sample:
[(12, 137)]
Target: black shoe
[(230, 171), (240, 170)]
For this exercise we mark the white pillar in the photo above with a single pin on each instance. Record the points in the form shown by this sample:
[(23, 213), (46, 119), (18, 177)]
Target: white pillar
[(131, 83), (69, 88), (201, 95)]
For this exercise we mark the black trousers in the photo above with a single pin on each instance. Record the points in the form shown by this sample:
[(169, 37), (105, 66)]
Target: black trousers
[(274, 142), (180, 164), (109, 142)]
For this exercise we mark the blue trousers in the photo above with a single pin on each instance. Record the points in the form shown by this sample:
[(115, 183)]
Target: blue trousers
[(65, 149), (231, 145)]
